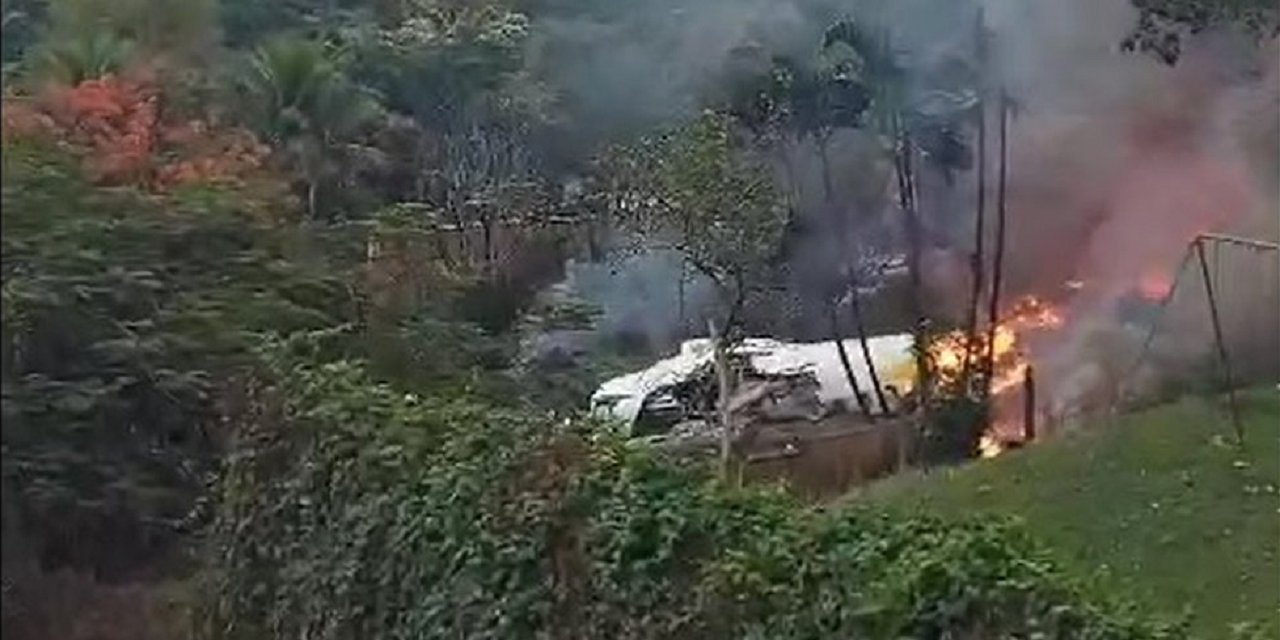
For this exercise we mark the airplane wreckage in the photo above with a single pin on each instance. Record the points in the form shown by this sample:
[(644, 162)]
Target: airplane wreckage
[(778, 381), (793, 411)]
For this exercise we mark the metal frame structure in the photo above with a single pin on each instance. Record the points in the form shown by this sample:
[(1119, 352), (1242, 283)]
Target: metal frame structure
[(1196, 248)]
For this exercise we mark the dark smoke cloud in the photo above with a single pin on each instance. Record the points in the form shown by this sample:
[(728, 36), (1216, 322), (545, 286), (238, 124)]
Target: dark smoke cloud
[(1116, 160)]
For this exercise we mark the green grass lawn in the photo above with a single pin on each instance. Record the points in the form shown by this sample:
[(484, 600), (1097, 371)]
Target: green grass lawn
[(1160, 504)]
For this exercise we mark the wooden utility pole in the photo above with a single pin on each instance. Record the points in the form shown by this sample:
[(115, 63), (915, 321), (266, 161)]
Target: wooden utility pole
[(1223, 359)]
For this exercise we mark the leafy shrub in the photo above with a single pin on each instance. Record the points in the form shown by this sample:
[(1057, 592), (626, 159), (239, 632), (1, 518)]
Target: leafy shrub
[(122, 319), (114, 123), (354, 511)]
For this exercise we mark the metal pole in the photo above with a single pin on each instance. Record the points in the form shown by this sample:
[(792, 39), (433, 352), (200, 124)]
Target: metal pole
[(1155, 324), (1217, 336), (1244, 242)]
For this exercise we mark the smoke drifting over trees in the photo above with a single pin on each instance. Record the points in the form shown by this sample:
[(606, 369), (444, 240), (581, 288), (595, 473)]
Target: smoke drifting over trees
[(1117, 160)]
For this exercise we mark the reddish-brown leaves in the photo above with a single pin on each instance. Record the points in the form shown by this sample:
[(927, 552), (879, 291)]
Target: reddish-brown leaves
[(114, 124)]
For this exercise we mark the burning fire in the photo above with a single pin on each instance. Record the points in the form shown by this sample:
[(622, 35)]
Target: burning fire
[(1154, 285), (989, 447), (948, 353)]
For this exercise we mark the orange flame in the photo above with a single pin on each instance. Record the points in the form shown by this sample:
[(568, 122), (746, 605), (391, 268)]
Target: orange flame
[(989, 447), (1026, 315)]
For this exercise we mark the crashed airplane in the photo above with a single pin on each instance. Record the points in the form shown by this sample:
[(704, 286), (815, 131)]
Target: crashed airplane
[(777, 382)]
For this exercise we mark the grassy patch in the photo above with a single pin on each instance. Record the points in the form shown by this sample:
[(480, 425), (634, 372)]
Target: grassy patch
[(1160, 504)]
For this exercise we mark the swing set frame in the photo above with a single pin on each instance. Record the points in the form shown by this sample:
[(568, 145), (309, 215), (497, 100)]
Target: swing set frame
[(1196, 250)]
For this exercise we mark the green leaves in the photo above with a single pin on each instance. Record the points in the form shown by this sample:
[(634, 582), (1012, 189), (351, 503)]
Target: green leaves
[(697, 190), (1162, 24), (121, 322), (300, 98), (354, 511), (86, 57)]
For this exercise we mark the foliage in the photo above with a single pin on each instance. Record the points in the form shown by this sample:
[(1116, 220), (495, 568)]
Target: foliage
[(441, 63), (299, 99), (1158, 503), (432, 351), (87, 57), (930, 103), (696, 190), (123, 322), (353, 510), (114, 124), (248, 23), (80, 32), (456, 74), (21, 25), (955, 427), (1163, 24), (562, 360)]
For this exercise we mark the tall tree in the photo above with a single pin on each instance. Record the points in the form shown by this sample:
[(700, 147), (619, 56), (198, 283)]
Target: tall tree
[(165, 32), (300, 100), (1163, 24), (914, 123), (21, 23), (786, 103), (997, 267), (977, 263), (698, 189), (457, 70)]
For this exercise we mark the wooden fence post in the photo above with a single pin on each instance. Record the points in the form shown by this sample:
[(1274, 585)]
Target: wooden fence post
[(1029, 405)]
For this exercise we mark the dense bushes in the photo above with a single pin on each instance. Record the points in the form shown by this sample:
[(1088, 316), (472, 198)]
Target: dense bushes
[(354, 511), (122, 319)]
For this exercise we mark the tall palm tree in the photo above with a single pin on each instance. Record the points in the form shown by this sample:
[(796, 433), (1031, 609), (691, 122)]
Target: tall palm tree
[(86, 57), (915, 123), (784, 101), (300, 100)]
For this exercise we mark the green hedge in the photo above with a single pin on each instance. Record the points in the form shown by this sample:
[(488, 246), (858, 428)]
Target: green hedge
[(352, 511)]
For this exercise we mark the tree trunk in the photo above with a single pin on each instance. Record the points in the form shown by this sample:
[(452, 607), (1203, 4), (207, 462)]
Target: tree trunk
[(978, 260), (486, 230), (789, 171), (311, 198), (855, 308), (836, 336), (997, 274), (833, 312), (826, 168), (915, 250), (915, 301), (725, 390), (680, 295)]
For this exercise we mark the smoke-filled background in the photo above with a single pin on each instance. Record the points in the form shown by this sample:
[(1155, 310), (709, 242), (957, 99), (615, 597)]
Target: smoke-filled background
[(1116, 162)]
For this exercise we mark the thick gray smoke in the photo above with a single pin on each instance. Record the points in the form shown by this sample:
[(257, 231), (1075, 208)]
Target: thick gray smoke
[(1116, 160), (1117, 163)]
